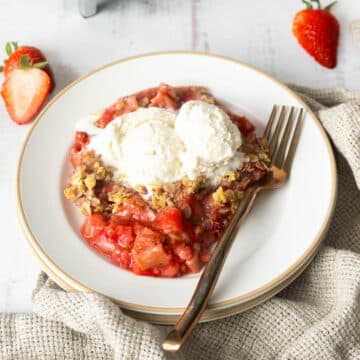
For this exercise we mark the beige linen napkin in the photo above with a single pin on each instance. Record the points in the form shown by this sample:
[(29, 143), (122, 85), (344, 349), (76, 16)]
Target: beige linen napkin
[(317, 317)]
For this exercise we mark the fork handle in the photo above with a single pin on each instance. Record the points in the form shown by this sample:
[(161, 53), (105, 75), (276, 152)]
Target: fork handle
[(184, 326)]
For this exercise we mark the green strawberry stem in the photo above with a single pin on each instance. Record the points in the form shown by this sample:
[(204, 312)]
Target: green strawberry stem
[(310, 6), (328, 7), (317, 2), (26, 64), (10, 47)]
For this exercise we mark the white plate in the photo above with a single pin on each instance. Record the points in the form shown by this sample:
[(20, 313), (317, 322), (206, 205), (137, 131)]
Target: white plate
[(282, 232)]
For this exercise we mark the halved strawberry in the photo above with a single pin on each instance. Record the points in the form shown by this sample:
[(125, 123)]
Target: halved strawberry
[(24, 92), (34, 56)]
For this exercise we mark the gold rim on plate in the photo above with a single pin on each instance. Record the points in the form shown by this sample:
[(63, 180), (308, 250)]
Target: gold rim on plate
[(233, 305)]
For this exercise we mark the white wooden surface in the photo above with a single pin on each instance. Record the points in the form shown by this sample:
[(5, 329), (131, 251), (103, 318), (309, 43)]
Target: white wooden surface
[(257, 32)]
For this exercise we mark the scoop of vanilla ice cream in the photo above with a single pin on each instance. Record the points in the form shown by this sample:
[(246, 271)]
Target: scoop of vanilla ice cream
[(154, 148), (142, 145), (210, 137)]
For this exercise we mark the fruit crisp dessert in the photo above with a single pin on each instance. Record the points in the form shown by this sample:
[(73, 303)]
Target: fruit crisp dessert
[(158, 176)]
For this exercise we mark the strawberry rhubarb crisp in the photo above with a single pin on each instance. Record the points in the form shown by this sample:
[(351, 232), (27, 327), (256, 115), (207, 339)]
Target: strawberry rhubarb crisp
[(159, 174)]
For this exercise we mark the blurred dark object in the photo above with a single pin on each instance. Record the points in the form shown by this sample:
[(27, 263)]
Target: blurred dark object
[(87, 8)]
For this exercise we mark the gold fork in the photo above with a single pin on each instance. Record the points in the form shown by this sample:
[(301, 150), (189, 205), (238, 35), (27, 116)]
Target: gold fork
[(282, 156)]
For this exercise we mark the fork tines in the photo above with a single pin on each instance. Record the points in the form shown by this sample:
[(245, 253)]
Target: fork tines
[(281, 154)]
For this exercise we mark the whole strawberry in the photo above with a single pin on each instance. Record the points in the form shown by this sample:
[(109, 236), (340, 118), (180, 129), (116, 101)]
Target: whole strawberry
[(317, 31)]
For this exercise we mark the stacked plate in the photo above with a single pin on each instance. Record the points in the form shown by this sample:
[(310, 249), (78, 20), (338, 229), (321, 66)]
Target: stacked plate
[(272, 248)]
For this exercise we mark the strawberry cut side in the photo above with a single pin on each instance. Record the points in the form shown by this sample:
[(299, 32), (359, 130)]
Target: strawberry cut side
[(24, 92)]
